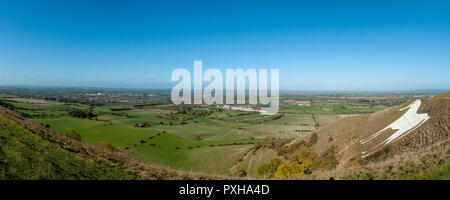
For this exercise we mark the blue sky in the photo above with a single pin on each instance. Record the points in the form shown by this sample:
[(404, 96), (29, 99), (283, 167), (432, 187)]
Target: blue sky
[(325, 45)]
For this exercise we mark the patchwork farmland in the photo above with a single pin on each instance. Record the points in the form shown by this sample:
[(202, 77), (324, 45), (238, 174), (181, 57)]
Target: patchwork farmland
[(194, 138)]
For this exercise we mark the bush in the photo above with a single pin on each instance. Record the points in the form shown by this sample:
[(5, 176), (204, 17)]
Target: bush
[(328, 159), (74, 135), (108, 146), (142, 125), (289, 169), (303, 154), (313, 139), (268, 169), (241, 173)]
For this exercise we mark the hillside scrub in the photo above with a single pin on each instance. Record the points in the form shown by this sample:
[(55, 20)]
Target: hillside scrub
[(300, 159), (289, 169), (269, 169)]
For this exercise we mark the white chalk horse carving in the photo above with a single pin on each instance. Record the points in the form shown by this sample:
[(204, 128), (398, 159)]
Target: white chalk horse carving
[(404, 125)]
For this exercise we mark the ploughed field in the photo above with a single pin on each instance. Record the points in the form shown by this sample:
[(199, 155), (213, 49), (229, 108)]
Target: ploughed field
[(196, 138)]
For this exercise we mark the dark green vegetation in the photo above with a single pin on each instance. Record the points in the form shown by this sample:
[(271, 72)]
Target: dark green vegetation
[(199, 138)]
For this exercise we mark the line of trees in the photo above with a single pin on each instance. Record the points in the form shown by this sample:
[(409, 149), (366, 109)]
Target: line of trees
[(83, 113)]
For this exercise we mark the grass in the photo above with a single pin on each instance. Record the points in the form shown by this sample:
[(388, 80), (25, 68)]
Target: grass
[(422, 154), (93, 132), (294, 119), (191, 146), (163, 153), (260, 157), (139, 116), (217, 160), (191, 131), (176, 146), (325, 119), (25, 155), (441, 173)]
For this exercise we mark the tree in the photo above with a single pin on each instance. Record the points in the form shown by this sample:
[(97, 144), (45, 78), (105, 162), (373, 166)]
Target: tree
[(268, 169), (91, 111), (78, 114)]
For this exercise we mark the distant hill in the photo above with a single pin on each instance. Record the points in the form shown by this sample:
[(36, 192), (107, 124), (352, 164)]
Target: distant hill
[(31, 151), (368, 147)]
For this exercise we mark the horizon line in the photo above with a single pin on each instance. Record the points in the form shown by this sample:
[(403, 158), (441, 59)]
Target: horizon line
[(284, 90)]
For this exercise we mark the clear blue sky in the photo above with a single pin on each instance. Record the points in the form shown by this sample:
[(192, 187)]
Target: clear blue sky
[(325, 45)]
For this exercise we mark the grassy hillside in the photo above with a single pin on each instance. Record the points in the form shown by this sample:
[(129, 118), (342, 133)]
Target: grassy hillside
[(223, 142), (335, 150), (30, 151)]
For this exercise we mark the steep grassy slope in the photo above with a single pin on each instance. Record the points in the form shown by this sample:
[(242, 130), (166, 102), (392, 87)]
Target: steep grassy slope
[(30, 151), (424, 153), (432, 163)]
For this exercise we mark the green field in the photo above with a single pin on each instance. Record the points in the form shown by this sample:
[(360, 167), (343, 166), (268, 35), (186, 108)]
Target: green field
[(215, 143)]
